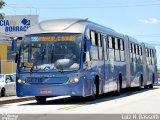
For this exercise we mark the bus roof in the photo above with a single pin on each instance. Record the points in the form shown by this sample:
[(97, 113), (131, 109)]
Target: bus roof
[(65, 26), (148, 46), (131, 39), (58, 25)]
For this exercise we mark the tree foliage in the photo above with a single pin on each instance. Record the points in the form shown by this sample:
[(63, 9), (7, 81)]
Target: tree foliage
[(2, 4)]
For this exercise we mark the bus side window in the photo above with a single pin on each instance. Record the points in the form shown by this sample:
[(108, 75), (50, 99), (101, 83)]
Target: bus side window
[(113, 42), (105, 47), (122, 50), (111, 48), (150, 60), (140, 53), (137, 54), (99, 40), (110, 42), (92, 38), (116, 43), (131, 52), (100, 47), (117, 54), (94, 50), (122, 44), (153, 57), (151, 53), (96, 39), (147, 56), (96, 43)]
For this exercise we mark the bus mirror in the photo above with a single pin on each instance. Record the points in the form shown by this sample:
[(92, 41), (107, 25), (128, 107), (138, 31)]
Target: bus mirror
[(16, 58), (14, 45)]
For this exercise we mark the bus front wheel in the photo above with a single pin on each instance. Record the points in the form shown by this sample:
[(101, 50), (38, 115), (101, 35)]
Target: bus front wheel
[(40, 99), (95, 91)]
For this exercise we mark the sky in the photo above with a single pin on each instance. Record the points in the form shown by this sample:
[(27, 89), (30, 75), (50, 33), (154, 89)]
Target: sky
[(137, 18)]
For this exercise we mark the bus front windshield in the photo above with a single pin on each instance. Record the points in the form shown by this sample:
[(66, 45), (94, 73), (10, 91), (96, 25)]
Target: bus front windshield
[(50, 52)]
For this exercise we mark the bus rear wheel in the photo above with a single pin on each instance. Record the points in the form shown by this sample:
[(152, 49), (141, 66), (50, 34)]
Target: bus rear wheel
[(119, 86), (140, 82), (150, 86), (117, 93), (146, 86), (40, 99)]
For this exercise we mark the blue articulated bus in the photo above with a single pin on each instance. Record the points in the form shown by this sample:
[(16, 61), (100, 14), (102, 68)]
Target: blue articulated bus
[(76, 57)]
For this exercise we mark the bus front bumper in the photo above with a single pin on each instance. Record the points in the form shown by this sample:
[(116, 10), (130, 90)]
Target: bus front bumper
[(75, 89)]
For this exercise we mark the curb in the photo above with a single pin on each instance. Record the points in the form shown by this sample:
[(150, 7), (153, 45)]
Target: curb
[(17, 100)]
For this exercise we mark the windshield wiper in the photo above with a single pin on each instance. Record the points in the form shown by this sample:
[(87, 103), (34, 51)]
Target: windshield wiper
[(32, 68)]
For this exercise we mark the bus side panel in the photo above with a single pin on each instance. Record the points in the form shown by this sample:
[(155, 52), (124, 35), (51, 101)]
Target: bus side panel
[(113, 75), (136, 72), (152, 73)]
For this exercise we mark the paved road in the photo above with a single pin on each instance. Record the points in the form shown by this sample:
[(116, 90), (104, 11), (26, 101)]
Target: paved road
[(144, 101)]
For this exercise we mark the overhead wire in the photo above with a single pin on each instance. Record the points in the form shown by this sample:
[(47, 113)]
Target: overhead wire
[(90, 6)]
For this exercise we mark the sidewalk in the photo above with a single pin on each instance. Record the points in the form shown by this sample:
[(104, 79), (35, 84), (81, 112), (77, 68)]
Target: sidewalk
[(14, 99)]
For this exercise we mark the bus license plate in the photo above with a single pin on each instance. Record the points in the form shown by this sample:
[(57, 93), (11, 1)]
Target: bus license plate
[(45, 91)]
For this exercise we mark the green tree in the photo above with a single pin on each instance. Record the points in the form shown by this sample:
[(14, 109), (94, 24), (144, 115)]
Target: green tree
[(2, 4)]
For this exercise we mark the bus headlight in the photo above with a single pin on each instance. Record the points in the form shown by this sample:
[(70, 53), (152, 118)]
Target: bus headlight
[(74, 80), (20, 81)]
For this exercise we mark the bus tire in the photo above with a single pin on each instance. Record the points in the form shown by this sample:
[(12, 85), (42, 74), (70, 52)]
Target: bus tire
[(40, 99), (3, 92), (93, 96), (146, 86), (140, 82), (95, 90), (151, 85)]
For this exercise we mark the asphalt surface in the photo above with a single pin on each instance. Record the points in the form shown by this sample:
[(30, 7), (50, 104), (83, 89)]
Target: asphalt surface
[(14, 99), (144, 101)]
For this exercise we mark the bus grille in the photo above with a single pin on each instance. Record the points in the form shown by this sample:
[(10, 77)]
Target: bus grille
[(39, 80)]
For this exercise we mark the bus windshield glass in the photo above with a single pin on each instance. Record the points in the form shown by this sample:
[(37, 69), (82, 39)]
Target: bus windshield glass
[(50, 52)]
